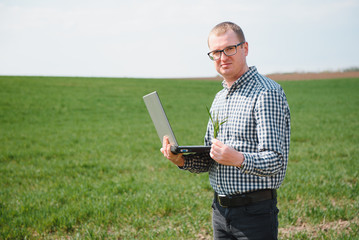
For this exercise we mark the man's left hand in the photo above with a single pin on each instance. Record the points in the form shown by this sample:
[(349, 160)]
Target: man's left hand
[(225, 155)]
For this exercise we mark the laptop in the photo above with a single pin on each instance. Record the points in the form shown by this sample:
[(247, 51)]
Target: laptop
[(163, 127)]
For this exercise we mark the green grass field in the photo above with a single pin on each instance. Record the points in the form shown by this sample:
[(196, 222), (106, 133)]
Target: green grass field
[(79, 158)]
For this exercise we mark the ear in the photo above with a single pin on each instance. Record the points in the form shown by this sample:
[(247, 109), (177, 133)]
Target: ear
[(246, 48)]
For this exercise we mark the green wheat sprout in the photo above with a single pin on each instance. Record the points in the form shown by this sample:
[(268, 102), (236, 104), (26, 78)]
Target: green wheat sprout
[(216, 123)]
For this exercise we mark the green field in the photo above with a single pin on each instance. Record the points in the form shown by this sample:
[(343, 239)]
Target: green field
[(80, 159)]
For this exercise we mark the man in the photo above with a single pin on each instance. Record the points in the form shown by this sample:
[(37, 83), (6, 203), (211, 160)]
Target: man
[(248, 160)]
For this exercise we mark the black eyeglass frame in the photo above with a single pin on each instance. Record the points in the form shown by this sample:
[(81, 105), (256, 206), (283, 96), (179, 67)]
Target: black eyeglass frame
[(223, 51)]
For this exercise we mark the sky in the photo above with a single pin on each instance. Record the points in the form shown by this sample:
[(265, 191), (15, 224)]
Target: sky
[(166, 38)]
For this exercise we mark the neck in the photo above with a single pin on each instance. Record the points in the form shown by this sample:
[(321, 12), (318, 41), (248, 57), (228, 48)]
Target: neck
[(231, 79)]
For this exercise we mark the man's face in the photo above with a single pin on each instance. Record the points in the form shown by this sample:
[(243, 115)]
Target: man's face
[(231, 68)]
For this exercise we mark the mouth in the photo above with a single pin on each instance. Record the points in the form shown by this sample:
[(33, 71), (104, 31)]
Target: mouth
[(225, 65)]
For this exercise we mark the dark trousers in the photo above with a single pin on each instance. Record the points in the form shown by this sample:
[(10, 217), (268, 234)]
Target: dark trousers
[(255, 221)]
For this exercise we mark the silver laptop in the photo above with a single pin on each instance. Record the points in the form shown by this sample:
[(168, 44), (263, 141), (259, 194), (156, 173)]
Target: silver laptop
[(163, 127)]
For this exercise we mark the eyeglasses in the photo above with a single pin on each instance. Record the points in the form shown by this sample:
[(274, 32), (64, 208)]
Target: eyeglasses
[(228, 51)]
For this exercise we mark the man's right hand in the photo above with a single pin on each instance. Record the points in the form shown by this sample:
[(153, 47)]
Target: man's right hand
[(166, 151)]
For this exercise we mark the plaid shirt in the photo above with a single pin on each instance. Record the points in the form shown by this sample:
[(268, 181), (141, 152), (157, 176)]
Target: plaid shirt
[(258, 125)]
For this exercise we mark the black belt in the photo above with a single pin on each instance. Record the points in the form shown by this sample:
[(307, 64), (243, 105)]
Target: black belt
[(245, 198)]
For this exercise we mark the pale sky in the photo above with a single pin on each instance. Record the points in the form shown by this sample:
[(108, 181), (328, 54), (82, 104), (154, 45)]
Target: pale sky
[(165, 38)]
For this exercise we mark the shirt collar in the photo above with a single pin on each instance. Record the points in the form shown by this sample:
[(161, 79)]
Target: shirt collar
[(244, 78)]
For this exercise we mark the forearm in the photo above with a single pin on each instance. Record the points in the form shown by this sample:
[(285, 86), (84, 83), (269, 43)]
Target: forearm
[(267, 163), (197, 163)]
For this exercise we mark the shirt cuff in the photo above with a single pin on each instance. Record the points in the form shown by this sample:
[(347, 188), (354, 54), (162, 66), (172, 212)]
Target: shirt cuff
[(187, 163), (247, 165)]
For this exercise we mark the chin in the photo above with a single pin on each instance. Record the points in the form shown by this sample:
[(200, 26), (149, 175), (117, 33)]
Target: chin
[(226, 72)]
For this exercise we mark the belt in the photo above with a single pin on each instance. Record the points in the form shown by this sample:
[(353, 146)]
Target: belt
[(245, 198)]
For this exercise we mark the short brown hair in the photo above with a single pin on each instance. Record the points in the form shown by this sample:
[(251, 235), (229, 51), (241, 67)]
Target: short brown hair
[(223, 27)]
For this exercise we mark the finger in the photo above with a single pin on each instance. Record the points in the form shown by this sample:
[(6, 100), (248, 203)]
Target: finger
[(168, 151), (162, 150), (164, 142), (213, 153), (215, 150), (216, 147), (217, 143)]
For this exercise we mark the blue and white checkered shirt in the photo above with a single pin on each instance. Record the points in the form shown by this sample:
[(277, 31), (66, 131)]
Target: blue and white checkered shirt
[(258, 125)]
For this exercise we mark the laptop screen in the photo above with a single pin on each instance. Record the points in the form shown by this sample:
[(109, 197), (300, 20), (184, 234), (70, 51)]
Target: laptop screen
[(159, 118)]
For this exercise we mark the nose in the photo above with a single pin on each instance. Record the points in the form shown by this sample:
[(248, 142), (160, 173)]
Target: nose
[(223, 56)]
